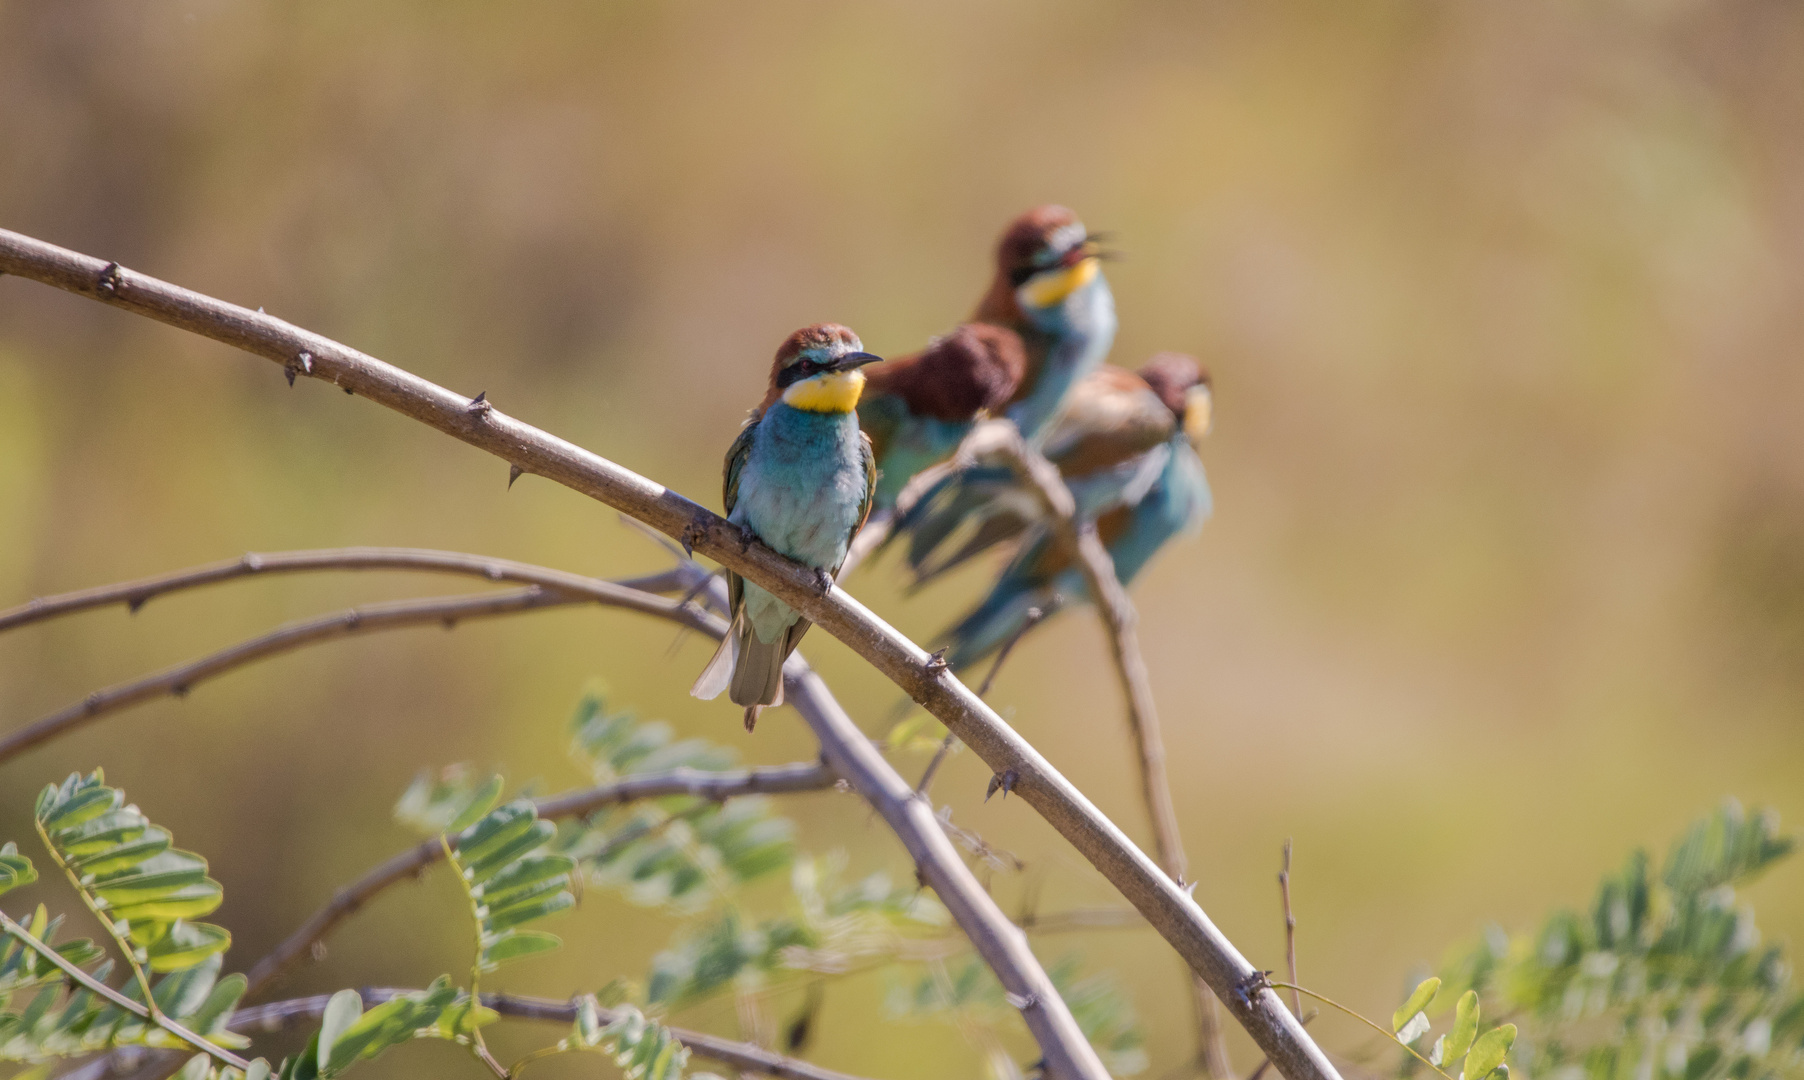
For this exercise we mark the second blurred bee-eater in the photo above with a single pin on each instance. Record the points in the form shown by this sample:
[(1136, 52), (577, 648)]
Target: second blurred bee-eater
[(800, 478)]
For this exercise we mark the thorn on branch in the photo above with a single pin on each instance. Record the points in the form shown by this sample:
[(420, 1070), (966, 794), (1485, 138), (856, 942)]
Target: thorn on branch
[(302, 364), (1022, 1002), (132, 605), (251, 561), (179, 690), (479, 404), (1247, 986), (353, 619), (513, 473), (317, 952), (109, 279), (936, 661), (350, 391), (692, 534), (1004, 782)]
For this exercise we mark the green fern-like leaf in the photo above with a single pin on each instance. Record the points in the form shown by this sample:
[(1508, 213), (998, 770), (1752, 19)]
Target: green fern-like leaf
[(1664, 978), (349, 1034), (511, 882), (643, 1048), (127, 870)]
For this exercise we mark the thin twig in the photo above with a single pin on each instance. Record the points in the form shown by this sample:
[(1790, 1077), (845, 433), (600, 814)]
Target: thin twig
[(179, 680), (281, 1015), (446, 611), (1120, 622), (1290, 930), (156, 1017), (1166, 905), (714, 786), (135, 594), (1379, 1028)]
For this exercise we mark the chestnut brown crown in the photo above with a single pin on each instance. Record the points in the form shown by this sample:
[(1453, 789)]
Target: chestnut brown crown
[(1172, 376)]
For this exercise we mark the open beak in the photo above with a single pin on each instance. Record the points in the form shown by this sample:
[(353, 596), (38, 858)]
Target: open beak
[(854, 361)]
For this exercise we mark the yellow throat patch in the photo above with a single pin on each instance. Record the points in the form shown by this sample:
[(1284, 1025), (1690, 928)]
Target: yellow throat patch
[(1050, 290), (835, 392)]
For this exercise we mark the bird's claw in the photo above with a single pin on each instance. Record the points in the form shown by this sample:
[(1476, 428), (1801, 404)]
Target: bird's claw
[(745, 539), (823, 579), (1004, 782)]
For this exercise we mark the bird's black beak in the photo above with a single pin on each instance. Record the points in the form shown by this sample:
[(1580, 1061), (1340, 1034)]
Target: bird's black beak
[(852, 361)]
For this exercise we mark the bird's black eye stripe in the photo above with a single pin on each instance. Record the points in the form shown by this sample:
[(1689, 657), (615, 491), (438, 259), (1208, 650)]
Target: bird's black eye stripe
[(798, 371), (1019, 275)]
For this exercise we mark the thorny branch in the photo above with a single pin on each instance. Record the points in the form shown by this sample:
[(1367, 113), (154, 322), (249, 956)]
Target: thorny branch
[(1120, 621), (1171, 910)]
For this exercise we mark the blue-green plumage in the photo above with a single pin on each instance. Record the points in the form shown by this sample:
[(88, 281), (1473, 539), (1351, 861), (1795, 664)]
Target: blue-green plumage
[(1178, 502), (799, 478)]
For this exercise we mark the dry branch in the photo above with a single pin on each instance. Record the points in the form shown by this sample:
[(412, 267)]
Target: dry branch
[(134, 594), (1166, 906), (1120, 622), (281, 1015), (717, 786)]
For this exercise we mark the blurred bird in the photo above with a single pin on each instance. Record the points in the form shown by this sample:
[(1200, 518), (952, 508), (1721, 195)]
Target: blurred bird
[(800, 478), (917, 409), (1048, 293), (1110, 447), (1049, 288), (1129, 445)]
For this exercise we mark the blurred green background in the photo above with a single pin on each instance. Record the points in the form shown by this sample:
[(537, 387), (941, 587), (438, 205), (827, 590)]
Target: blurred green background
[(1503, 302)]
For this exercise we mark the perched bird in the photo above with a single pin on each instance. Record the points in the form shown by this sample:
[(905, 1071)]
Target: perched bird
[(799, 477), (1110, 446), (1049, 292), (1049, 288), (917, 409), (1138, 501)]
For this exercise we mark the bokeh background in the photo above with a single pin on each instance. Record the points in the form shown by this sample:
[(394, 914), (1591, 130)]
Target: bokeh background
[(1504, 303)]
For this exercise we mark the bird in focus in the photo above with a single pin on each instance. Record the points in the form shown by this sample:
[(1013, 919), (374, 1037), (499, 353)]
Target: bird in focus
[(1127, 448), (800, 478), (917, 409)]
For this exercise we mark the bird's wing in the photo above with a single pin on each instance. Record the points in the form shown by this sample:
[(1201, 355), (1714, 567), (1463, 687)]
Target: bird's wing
[(736, 455), (868, 457), (1113, 416)]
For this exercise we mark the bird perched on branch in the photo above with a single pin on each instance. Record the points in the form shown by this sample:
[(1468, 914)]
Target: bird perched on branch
[(917, 409), (1049, 288), (1127, 448), (799, 478), (1049, 294)]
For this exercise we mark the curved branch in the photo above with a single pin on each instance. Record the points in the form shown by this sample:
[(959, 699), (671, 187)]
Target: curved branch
[(561, 590), (717, 786), (281, 1015), (475, 421), (134, 594), (1120, 623)]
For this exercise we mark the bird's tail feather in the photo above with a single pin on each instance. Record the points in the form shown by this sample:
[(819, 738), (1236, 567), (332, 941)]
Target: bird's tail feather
[(992, 623), (758, 669), (719, 672)]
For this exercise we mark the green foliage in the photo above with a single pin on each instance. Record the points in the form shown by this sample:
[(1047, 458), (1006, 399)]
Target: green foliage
[(511, 882), (348, 1034), (681, 851), (831, 929), (1097, 1003), (643, 1048), (1665, 978), (147, 891)]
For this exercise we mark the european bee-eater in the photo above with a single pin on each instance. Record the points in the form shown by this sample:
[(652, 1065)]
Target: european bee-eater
[(917, 409), (1049, 288), (1172, 495), (1110, 446), (799, 478)]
